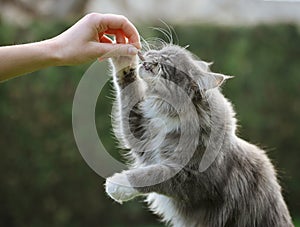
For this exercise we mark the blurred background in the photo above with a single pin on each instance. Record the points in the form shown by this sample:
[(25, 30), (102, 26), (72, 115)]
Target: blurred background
[(45, 181)]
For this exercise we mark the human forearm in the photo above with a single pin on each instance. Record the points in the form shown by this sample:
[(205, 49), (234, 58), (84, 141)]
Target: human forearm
[(21, 59), (85, 41)]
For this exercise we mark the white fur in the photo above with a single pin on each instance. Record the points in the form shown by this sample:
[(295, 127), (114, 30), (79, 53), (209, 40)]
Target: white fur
[(119, 188), (164, 207), (152, 111)]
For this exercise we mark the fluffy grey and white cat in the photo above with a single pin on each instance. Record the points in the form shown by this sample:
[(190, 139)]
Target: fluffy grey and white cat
[(185, 156)]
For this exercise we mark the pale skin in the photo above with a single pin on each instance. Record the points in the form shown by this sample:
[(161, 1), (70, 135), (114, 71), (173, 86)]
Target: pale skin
[(85, 41)]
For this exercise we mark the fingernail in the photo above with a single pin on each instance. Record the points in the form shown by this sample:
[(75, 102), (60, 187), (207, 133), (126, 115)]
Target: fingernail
[(132, 50)]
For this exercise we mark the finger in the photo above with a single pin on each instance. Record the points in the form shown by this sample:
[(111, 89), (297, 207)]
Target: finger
[(119, 34), (100, 34), (107, 50), (112, 21)]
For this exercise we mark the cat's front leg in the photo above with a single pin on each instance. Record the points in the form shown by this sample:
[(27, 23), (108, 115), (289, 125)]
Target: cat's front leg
[(124, 70), (130, 91)]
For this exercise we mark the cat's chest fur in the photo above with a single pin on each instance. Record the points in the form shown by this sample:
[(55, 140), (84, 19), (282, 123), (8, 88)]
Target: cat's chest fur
[(157, 119), (160, 133)]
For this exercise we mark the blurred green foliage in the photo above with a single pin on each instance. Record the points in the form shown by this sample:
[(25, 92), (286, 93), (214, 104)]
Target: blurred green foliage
[(45, 181)]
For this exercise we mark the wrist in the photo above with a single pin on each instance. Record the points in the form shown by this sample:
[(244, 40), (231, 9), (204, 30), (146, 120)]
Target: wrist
[(54, 52)]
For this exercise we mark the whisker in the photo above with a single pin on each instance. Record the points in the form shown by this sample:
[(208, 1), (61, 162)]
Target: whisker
[(155, 43), (165, 33), (170, 31), (146, 45), (175, 33)]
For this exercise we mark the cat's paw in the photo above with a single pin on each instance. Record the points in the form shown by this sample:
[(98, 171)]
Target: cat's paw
[(123, 62), (119, 189)]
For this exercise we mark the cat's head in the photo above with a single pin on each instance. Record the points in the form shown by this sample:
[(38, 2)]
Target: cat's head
[(174, 66)]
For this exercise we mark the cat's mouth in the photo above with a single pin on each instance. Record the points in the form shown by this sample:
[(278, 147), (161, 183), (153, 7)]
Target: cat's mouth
[(143, 64)]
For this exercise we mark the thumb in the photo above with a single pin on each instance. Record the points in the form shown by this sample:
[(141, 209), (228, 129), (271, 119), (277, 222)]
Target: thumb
[(107, 50)]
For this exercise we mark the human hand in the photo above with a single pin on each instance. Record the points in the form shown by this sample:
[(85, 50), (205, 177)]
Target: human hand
[(87, 40)]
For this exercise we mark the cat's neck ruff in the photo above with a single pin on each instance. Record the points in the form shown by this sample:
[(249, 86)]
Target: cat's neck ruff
[(159, 120)]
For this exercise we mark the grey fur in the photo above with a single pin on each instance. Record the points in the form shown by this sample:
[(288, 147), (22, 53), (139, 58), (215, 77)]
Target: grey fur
[(238, 189)]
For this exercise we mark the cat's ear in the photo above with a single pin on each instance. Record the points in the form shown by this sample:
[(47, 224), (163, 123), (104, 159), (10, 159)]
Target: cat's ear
[(212, 80)]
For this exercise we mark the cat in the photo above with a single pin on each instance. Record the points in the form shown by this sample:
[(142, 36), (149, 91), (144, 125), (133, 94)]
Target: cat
[(171, 115)]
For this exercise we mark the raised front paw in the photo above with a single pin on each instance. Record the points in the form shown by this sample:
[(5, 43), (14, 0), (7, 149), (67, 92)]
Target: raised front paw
[(119, 189), (124, 62)]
